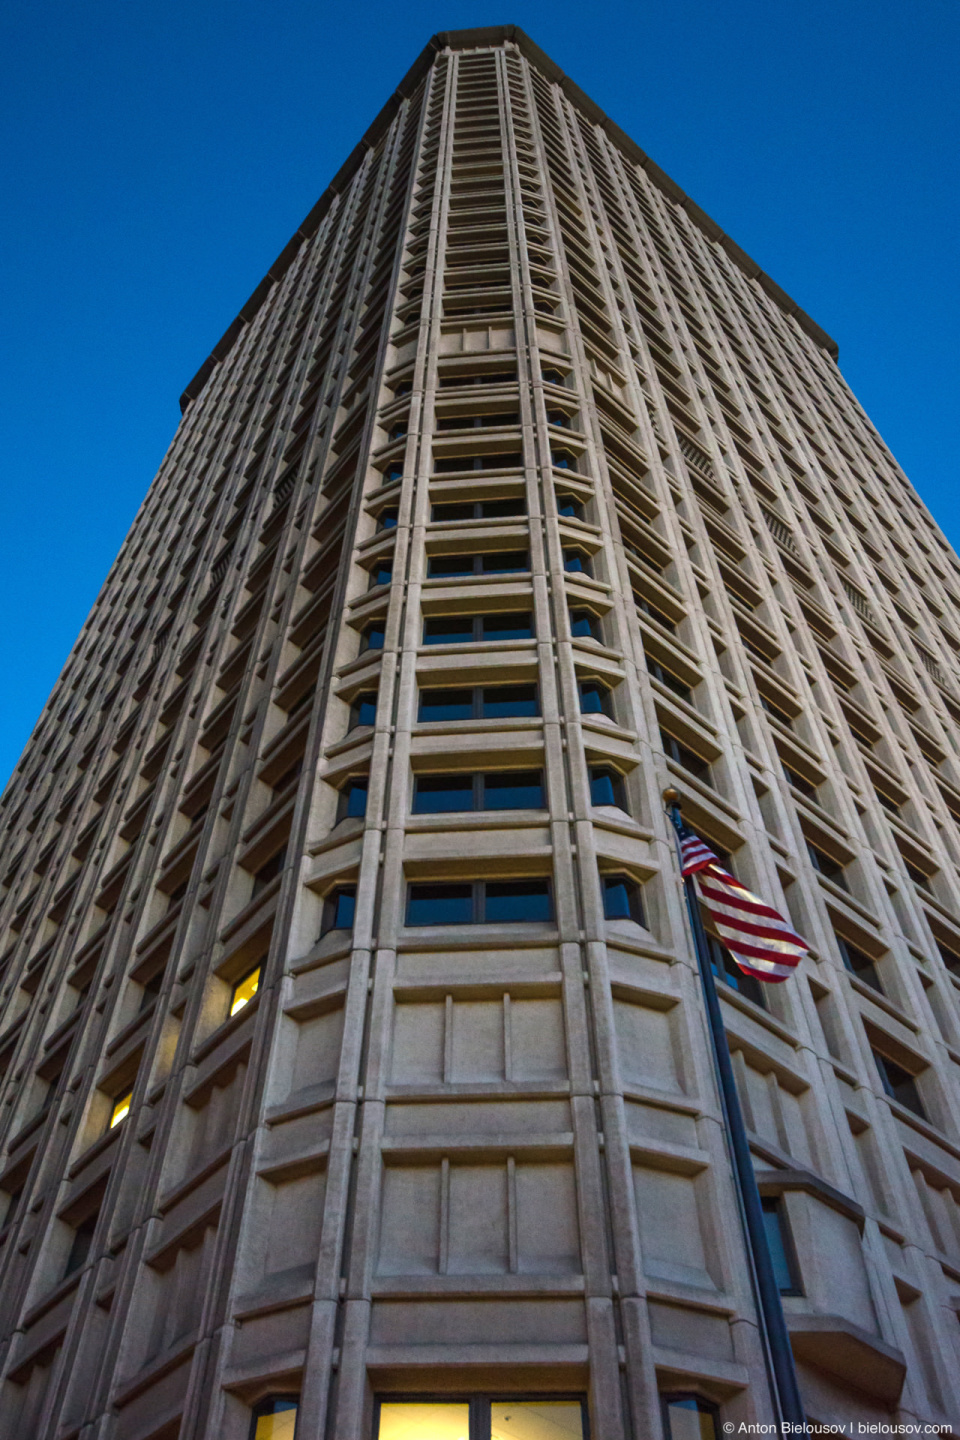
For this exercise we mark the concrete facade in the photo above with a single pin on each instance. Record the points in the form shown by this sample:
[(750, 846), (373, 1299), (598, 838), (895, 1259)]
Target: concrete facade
[(355, 1072)]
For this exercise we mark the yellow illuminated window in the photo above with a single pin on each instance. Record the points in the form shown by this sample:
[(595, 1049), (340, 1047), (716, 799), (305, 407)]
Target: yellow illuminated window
[(121, 1108), (244, 991), (275, 1420), (423, 1420), (536, 1420)]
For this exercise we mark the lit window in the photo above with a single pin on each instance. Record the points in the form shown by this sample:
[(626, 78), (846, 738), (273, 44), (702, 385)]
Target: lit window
[(431, 1419), (275, 1418), (244, 991), (121, 1108)]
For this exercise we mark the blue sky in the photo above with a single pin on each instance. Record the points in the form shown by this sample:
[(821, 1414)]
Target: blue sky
[(159, 156)]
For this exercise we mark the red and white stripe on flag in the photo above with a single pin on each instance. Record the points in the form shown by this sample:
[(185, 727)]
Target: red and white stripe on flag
[(758, 938)]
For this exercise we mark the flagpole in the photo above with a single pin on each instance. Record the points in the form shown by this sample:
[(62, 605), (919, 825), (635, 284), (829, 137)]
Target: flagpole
[(772, 1321)]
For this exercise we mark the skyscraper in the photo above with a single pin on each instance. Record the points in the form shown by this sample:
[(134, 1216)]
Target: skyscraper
[(356, 1077)]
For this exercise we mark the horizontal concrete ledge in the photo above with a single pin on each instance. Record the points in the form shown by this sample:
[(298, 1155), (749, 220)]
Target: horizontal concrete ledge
[(837, 1346), (470, 40)]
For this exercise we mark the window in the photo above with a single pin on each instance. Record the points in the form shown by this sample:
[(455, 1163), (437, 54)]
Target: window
[(595, 698), (121, 1109), (274, 1418), (826, 865), (482, 702), (726, 969), (899, 1084), (398, 431), (858, 963), (363, 711), (776, 712), (495, 377), (577, 562), (381, 573), (688, 1417), (82, 1241), (667, 677), (563, 460), (477, 422), (886, 801), (501, 790), (621, 899), (479, 509), (150, 991), (552, 377), (585, 625), (504, 562), (570, 508), (949, 957), (799, 782), (559, 418), (388, 517), (480, 902), (244, 990), (918, 876), (642, 603), (477, 462), (393, 472), (780, 1245), (338, 909), (472, 629), (682, 755), (480, 1418), (374, 636), (352, 799), (607, 787), (269, 871)]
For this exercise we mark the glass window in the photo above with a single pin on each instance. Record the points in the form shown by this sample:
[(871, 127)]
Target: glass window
[(82, 1241), (621, 898), (684, 756), (826, 865), (489, 702), (244, 991), (595, 698), (569, 507), (552, 377), (441, 794), (502, 701), (606, 787), (275, 1419), (511, 900), (374, 636), (858, 963), (949, 957), (513, 790), (440, 904), (497, 563), (536, 1420), (478, 902), (269, 871), (423, 1420), (506, 562), (558, 417), (642, 603), (799, 782), (667, 677), (121, 1108), (352, 800), (688, 1417), (448, 630), (780, 1245), (363, 711), (446, 705), (393, 472), (577, 562), (899, 1084), (776, 712), (508, 627), (339, 908), (479, 509), (585, 625), (387, 519)]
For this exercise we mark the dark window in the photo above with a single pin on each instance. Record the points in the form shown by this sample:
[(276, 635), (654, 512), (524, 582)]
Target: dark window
[(381, 573), (667, 677), (80, 1248), (621, 898), (552, 377), (563, 460), (585, 625), (304, 698), (826, 865), (387, 519), (179, 892), (496, 377), (642, 603), (269, 871), (685, 756), (405, 387), (503, 562), (570, 508), (374, 636), (288, 777), (799, 783), (919, 877), (501, 790), (886, 802), (399, 431), (13, 1205), (577, 562), (363, 711), (607, 787), (274, 1418), (480, 901), (482, 702), (688, 1417), (393, 472), (858, 963), (726, 969), (352, 799), (949, 957), (559, 418), (455, 463), (899, 1084), (339, 908), (776, 712), (595, 698), (477, 422), (472, 629), (151, 989), (479, 509), (780, 1245)]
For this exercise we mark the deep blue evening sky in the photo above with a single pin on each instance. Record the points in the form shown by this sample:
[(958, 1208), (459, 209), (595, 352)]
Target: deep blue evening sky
[(159, 157)]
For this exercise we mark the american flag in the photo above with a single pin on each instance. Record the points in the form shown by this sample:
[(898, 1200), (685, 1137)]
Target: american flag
[(760, 940)]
